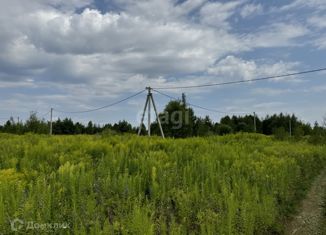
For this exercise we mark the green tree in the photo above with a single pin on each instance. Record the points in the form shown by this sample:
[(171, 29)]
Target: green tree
[(223, 129), (122, 127), (90, 128), (177, 119), (79, 128), (68, 127), (298, 132), (203, 126), (227, 121), (34, 125)]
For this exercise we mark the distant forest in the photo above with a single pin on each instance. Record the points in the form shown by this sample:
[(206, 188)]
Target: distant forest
[(178, 121)]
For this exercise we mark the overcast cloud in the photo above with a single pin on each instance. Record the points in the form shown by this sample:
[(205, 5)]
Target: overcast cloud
[(79, 54)]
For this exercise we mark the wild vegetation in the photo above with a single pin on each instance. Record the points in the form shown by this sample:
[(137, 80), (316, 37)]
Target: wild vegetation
[(324, 213), (178, 121), (101, 184)]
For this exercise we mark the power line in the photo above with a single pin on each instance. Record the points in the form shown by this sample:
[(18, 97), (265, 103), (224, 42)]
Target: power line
[(44, 115), (103, 107), (241, 81), (198, 106)]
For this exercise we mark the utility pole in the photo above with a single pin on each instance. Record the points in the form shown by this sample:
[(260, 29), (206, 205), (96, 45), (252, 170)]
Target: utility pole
[(149, 110), (290, 127), (158, 118), (143, 116), (51, 120), (147, 107), (255, 126)]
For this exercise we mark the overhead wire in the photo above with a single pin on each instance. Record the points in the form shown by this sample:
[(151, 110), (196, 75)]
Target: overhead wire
[(241, 81), (44, 115), (156, 89), (198, 106), (103, 107)]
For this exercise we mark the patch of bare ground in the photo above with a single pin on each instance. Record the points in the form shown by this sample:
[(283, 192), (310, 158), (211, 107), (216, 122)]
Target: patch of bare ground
[(310, 218)]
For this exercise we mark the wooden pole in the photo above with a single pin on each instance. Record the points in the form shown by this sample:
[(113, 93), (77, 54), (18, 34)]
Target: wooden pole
[(51, 115), (143, 116), (149, 110), (255, 125), (157, 116)]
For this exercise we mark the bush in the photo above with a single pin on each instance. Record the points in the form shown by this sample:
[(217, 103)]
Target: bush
[(224, 129), (280, 133)]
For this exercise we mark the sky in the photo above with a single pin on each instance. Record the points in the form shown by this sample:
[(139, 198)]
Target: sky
[(75, 55)]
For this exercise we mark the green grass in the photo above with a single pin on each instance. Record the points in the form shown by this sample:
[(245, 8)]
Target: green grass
[(237, 184), (324, 213)]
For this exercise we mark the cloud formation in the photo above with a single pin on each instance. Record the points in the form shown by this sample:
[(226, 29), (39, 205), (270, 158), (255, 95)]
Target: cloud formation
[(48, 41), (76, 48), (251, 9), (237, 68)]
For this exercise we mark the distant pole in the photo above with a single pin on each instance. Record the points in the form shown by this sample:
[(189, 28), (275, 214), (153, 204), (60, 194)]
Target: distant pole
[(18, 119), (51, 115), (290, 127), (255, 126), (149, 110)]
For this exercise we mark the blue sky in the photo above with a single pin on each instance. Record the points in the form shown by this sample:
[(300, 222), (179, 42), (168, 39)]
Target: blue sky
[(81, 54)]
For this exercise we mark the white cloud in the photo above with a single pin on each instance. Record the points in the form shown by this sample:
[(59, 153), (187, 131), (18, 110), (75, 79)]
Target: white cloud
[(87, 56), (317, 4), (94, 48), (270, 91), (277, 35), (155, 10), (67, 4), (314, 17), (267, 106), (216, 14), (318, 21), (159, 10), (320, 43), (249, 10), (315, 89), (99, 49), (234, 67), (189, 6)]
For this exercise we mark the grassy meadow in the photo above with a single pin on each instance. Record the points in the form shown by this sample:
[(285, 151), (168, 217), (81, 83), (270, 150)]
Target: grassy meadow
[(234, 184)]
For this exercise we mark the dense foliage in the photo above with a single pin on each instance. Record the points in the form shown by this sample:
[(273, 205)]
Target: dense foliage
[(62, 127), (184, 125), (235, 184)]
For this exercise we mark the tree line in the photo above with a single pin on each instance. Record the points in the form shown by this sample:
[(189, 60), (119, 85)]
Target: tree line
[(281, 125), (64, 126), (178, 121)]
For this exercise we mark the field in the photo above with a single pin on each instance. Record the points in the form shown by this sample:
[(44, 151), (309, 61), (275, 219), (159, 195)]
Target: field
[(236, 184)]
